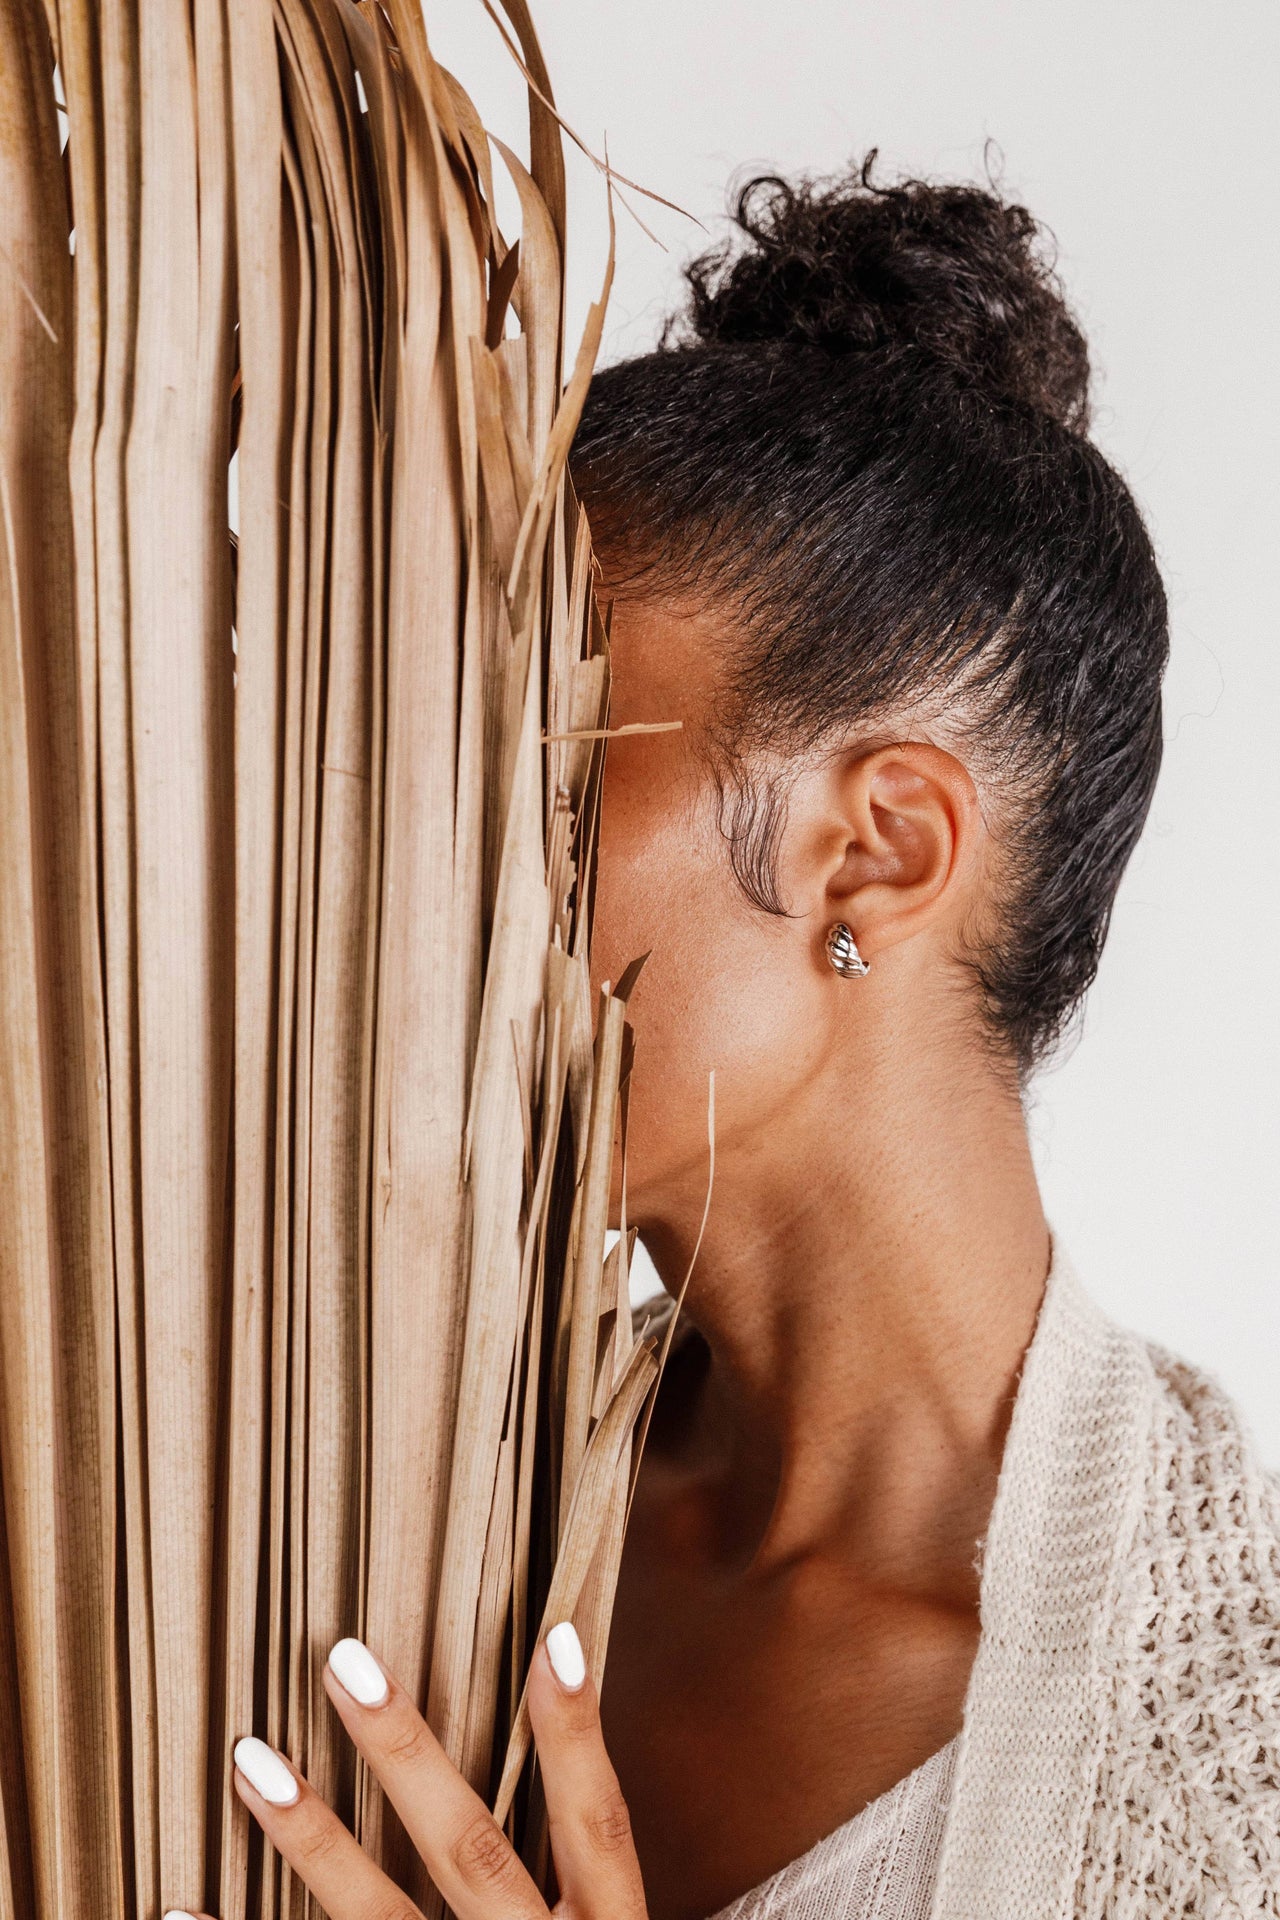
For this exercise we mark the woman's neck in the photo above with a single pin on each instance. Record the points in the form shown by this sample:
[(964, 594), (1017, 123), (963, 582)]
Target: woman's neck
[(867, 1292)]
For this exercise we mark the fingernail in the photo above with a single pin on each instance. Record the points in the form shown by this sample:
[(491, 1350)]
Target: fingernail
[(265, 1771), (564, 1650), (179, 1913), (355, 1669)]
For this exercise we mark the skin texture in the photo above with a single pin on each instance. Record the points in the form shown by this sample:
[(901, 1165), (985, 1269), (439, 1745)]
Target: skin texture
[(797, 1614), (798, 1610)]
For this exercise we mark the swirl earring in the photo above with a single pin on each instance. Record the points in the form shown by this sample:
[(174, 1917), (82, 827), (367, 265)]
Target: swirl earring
[(842, 952)]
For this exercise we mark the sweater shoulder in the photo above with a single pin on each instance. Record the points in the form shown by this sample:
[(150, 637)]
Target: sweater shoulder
[(1186, 1816)]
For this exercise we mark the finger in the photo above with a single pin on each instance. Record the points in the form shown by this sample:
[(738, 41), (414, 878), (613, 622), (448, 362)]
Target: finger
[(180, 1913), (591, 1840), (464, 1849), (314, 1841)]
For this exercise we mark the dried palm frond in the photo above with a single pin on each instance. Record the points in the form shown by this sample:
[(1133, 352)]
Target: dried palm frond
[(307, 1121)]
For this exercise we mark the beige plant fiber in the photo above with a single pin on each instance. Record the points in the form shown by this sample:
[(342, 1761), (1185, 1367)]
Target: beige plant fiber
[(307, 1119)]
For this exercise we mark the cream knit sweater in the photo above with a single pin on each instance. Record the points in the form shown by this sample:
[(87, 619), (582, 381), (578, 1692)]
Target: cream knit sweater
[(1121, 1747), (1120, 1755)]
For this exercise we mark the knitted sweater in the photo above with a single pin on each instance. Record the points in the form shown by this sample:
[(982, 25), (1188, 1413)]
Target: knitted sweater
[(1120, 1754)]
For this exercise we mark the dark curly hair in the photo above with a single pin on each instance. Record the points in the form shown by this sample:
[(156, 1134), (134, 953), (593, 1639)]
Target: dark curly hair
[(867, 440)]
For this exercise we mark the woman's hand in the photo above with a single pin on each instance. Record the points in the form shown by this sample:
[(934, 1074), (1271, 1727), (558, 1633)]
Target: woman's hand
[(466, 1853)]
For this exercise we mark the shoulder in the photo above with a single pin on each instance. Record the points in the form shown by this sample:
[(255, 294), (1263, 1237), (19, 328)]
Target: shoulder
[(1186, 1815)]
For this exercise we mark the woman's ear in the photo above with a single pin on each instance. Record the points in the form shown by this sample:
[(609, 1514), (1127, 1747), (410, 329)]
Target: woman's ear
[(904, 842)]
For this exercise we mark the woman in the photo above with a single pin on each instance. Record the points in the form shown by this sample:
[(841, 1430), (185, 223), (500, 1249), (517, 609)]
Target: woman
[(941, 1595)]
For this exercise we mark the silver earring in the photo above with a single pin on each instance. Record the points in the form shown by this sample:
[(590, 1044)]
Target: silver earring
[(842, 952)]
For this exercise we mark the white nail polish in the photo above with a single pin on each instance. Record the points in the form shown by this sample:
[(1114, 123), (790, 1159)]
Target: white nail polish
[(355, 1669), (564, 1649), (265, 1771), (179, 1913)]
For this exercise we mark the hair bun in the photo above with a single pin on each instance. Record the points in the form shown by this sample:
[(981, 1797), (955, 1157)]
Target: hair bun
[(850, 266)]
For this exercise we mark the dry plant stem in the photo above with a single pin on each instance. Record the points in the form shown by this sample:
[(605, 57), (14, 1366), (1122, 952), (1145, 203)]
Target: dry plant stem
[(584, 1526), (257, 126), (87, 1316), (589, 1241), (107, 562), (305, 1135), (60, 1824)]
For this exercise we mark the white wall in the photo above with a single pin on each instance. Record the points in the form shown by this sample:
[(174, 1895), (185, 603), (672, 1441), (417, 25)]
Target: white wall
[(1145, 133)]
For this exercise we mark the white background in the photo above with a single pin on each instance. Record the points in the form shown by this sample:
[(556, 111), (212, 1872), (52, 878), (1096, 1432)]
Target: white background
[(1144, 132)]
